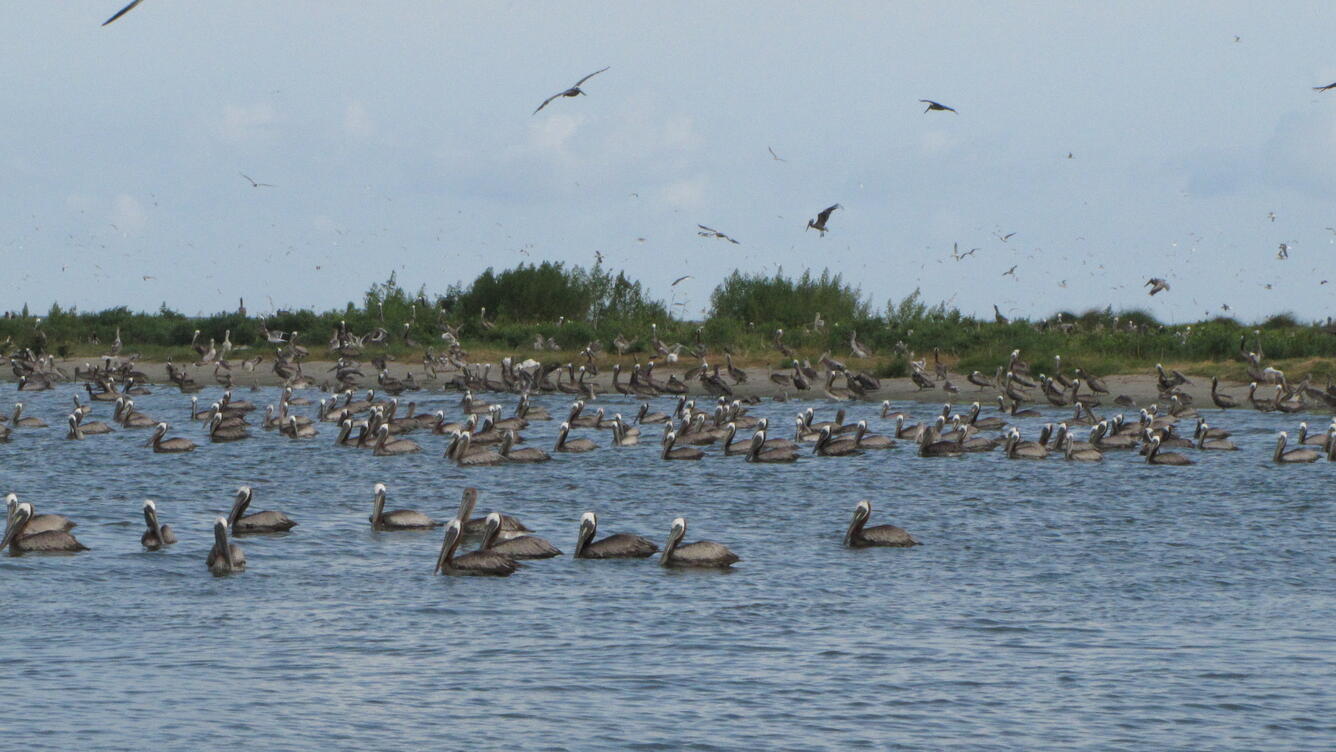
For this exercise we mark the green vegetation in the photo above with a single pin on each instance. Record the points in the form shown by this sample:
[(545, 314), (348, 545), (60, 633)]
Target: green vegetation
[(574, 306)]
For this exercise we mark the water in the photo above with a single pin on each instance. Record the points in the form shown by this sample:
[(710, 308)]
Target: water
[(1053, 605)]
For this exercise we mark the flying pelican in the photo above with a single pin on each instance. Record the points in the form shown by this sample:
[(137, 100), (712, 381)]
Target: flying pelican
[(1156, 285), (157, 535), (19, 540), (517, 547), (819, 224), (123, 11), (399, 519), (574, 91), (477, 563), (260, 522), (225, 557), (615, 546), (936, 106), (709, 232), (859, 536), (698, 554)]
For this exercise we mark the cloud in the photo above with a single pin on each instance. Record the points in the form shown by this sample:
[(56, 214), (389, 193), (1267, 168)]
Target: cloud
[(247, 122)]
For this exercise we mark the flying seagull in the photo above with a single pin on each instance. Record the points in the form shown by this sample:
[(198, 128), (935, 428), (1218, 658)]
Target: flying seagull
[(253, 183), (1156, 285), (574, 91), (957, 255), (1011, 271), (710, 232), (123, 11), (937, 106), (1328, 87), (776, 157), (819, 224)]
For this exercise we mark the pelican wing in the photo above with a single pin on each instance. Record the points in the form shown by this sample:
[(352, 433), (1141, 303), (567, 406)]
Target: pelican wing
[(122, 11), (704, 554), (577, 83)]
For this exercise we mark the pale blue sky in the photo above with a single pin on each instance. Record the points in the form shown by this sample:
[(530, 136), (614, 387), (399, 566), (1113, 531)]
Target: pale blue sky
[(399, 137)]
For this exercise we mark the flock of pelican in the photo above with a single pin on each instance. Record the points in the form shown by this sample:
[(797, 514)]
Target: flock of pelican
[(503, 541)]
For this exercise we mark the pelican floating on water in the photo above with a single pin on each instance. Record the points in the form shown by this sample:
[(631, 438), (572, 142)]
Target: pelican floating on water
[(19, 540), (225, 557), (705, 554), (517, 547), (157, 535), (38, 523), (475, 563), (173, 445), (399, 519), (859, 536), (260, 522), (615, 546)]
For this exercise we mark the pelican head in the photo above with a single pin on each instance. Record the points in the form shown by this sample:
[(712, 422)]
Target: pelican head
[(453, 532), (675, 535), (588, 527), (242, 500), (862, 511)]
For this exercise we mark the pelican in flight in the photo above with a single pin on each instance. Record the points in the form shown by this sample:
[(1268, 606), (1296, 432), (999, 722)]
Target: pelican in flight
[(936, 106), (698, 554), (225, 557), (260, 522), (1156, 285), (399, 519), (19, 540), (710, 232), (475, 563), (157, 535), (859, 536), (574, 91), (615, 546), (822, 217)]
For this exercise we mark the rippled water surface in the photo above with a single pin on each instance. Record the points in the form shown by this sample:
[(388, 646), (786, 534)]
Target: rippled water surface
[(1053, 605)]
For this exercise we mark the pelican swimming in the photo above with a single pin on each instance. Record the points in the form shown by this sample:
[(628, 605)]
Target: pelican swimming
[(18, 421), (172, 445), (476, 563), (615, 546), (573, 445), (757, 452), (859, 536), (221, 433), (678, 453), (467, 456), (1155, 457), (516, 547), (37, 523), (1293, 455), (260, 522), (527, 454), (384, 447), (399, 519), (19, 540), (698, 554), (225, 557), (473, 526), (157, 535)]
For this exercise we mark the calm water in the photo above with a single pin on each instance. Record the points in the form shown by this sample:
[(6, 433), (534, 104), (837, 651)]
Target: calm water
[(1053, 605)]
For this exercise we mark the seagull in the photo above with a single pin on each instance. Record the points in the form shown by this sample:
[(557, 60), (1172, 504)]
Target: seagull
[(709, 232), (1156, 284), (123, 11), (1011, 271), (1005, 238), (819, 224), (254, 184), (957, 255), (776, 157), (1328, 87), (937, 106), (574, 91), (1284, 251)]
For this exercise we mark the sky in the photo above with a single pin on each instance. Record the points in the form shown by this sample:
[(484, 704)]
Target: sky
[(1118, 141)]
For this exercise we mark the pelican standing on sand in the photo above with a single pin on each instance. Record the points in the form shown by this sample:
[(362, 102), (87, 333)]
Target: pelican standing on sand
[(615, 546), (157, 535), (260, 522), (703, 554)]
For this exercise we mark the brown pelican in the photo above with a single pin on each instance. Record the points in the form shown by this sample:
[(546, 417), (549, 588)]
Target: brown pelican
[(1293, 455), (293, 429), (37, 523), (157, 535), (828, 447), (1155, 457), (645, 416), (758, 453), (399, 519), (1084, 454), (859, 536), (1017, 450), (19, 540), (822, 217), (574, 91), (260, 522), (172, 445), (940, 108), (474, 526), (698, 554), (220, 433), (1156, 285), (517, 547), (225, 557), (384, 447), (615, 546), (1205, 439), (527, 454), (18, 421), (1221, 400), (466, 456), (573, 445), (678, 453), (477, 563)]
